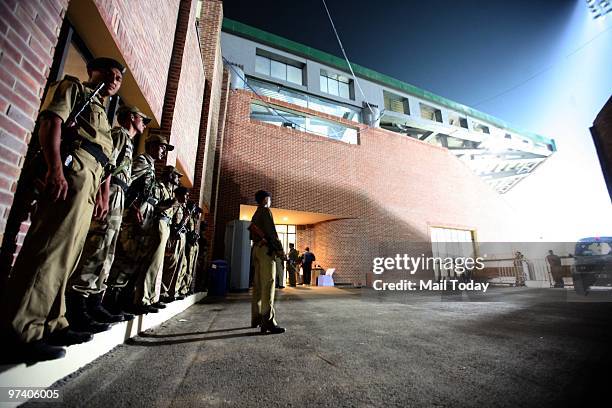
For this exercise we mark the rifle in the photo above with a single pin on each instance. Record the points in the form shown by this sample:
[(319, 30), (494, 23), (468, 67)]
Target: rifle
[(139, 191), (38, 167), (275, 248), (176, 230), (180, 229)]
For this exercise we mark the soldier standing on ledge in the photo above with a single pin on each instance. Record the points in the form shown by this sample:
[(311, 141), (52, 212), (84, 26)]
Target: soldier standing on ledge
[(146, 295), (266, 246), (134, 247), (191, 251), (76, 152), (86, 287), (174, 260)]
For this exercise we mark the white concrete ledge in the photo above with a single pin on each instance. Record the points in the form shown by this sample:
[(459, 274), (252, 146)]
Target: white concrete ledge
[(46, 373)]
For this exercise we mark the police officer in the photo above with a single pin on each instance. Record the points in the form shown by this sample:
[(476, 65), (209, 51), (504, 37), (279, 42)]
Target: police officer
[(265, 242), (191, 251), (33, 306), (146, 295), (292, 261), (135, 247), (88, 284), (175, 261)]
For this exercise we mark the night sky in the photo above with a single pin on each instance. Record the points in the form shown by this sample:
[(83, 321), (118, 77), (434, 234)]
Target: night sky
[(467, 50), (540, 65)]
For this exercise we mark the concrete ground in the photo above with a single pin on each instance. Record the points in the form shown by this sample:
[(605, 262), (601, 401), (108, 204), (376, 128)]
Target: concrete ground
[(516, 347)]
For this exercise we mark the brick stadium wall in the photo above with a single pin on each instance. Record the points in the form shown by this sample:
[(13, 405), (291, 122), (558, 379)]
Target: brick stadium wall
[(144, 32), (390, 189), (28, 33), (188, 107), (217, 159), (211, 18), (213, 104)]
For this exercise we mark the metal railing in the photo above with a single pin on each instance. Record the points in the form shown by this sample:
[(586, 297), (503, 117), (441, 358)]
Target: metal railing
[(524, 272)]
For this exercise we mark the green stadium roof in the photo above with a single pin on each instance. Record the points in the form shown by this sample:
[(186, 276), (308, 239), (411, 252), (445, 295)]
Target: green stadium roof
[(246, 31)]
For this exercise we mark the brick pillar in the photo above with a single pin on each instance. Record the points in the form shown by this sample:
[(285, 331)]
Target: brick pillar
[(217, 161), (174, 73), (211, 19), (211, 123), (29, 32)]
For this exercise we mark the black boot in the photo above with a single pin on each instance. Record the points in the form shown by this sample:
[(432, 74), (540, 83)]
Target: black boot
[(79, 318), (36, 351), (272, 329), (67, 337), (98, 312), (112, 302)]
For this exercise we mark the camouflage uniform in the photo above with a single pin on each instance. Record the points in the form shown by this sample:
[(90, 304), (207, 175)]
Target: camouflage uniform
[(132, 247), (34, 300), (99, 250)]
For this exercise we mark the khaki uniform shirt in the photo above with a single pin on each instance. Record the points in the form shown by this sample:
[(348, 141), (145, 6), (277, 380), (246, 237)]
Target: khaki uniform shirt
[(264, 221), (64, 96), (122, 154), (165, 208)]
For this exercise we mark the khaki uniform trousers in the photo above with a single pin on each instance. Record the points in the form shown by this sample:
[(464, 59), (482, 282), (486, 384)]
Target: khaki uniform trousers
[(191, 258), (99, 251), (174, 268), (35, 295), (146, 285), (262, 305)]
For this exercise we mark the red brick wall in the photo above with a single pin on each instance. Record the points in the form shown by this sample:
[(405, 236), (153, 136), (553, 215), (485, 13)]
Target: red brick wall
[(210, 44), (28, 35), (189, 97), (144, 32), (392, 189)]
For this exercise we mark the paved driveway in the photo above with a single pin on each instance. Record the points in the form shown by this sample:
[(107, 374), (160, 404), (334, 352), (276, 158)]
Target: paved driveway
[(515, 347)]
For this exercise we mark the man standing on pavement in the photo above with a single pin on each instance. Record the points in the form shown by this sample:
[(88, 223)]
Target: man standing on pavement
[(33, 305), (87, 285), (307, 259), (266, 246), (292, 262)]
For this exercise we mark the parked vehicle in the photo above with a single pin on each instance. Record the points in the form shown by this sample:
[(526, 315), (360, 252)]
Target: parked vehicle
[(593, 265)]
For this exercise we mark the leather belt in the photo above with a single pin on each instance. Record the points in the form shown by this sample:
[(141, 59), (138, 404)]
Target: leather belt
[(92, 148)]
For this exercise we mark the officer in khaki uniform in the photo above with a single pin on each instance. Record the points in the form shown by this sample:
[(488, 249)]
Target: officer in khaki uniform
[(264, 236), (33, 306), (192, 250), (175, 259), (146, 288), (293, 258), (89, 281), (134, 247)]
